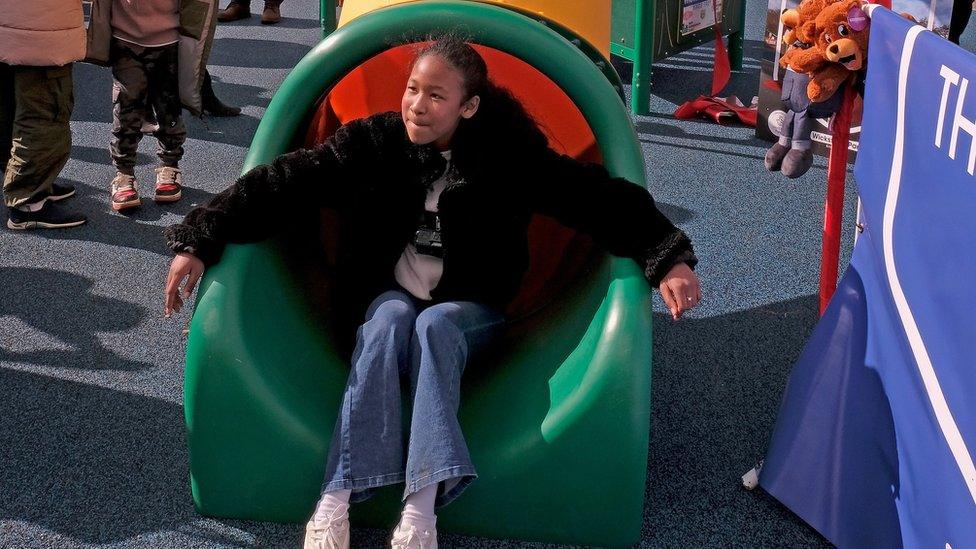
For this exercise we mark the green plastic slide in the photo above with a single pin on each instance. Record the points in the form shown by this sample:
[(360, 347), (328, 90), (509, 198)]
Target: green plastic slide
[(556, 418)]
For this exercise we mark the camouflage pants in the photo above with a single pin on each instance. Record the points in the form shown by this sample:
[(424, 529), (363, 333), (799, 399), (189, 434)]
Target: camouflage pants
[(146, 91), (35, 135)]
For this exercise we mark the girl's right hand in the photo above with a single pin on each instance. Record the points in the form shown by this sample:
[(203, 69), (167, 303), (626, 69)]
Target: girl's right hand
[(184, 266), (680, 289)]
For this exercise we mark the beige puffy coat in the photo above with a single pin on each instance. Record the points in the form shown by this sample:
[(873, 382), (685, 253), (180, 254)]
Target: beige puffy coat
[(42, 33)]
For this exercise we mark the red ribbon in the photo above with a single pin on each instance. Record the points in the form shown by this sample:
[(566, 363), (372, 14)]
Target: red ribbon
[(723, 70)]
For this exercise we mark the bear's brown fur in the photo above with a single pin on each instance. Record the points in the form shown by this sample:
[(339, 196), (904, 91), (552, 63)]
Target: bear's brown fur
[(844, 49)]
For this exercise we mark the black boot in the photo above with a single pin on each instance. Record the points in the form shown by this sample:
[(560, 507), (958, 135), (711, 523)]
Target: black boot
[(212, 105)]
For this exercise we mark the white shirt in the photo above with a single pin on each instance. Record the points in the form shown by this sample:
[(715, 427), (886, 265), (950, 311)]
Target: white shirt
[(419, 272)]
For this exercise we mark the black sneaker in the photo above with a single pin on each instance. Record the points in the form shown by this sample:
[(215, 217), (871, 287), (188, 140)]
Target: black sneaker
[(60, 192), (48, 217)]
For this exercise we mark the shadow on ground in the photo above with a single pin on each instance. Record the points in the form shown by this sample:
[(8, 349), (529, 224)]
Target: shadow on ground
[(62, 307), (717, 385), (94, 464), (262, 54), (101, 155), (137, 229), (286, 22), (648, 129), (102, 466)]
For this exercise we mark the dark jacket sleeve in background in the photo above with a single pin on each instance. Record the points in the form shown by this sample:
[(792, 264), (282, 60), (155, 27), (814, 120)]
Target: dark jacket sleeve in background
[(619, 215), (265, 199)]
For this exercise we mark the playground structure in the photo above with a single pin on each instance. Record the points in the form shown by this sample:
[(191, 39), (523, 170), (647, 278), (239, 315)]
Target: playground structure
[(640, 31), (584, 24), (648, 31), (566, 393)]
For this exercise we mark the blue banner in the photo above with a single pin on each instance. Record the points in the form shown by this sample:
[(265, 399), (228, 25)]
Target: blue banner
[(876, 438)]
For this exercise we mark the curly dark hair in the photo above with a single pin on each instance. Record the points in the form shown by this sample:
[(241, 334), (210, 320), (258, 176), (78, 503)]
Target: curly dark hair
[(501, 118)]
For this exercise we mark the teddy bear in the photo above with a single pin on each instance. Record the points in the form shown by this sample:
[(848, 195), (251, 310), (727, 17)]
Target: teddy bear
[(800, 34), (842, 31), (809, 68)]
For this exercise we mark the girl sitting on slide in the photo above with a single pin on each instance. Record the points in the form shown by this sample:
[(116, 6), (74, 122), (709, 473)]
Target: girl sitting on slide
[(435, 203)]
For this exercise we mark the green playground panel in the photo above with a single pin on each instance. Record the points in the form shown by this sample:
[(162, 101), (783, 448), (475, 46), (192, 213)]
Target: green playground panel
[(560, 413), (648, 31)]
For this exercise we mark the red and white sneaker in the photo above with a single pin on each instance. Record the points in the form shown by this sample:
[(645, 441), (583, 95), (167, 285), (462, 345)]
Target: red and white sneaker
[(169, 184), (125, 193)]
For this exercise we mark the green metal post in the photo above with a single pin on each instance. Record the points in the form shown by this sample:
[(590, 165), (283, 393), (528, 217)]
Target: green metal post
[(736, 38), (327, 16), (640, 97)]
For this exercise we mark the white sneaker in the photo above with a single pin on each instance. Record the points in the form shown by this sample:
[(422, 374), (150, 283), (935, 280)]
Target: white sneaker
[(329, 534), (412, 537)]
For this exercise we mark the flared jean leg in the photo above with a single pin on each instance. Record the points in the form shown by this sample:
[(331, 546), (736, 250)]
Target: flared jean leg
[(445, 336), (367, 443)]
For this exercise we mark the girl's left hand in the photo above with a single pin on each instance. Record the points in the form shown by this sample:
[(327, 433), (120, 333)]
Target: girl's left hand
[(680, 290)]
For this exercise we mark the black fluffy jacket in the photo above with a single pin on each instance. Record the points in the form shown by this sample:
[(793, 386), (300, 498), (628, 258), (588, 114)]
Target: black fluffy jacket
[(377, 180)]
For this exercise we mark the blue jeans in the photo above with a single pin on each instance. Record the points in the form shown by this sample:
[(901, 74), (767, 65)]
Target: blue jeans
[(430, 344)]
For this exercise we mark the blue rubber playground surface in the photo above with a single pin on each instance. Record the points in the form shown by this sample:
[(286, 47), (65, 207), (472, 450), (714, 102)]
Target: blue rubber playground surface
[(92, 439)]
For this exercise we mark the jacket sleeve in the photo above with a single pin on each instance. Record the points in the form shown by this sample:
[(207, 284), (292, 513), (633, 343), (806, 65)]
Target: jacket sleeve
[(266, 198), (619, 215)]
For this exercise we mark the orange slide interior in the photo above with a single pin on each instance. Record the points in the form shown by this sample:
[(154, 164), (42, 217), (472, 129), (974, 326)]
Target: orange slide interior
[(557, 254)]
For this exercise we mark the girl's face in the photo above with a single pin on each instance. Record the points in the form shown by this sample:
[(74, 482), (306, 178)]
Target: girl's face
[(433, 103)]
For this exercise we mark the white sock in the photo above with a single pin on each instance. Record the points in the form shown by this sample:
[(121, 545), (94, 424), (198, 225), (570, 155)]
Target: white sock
[(419, 508), (330, 503)]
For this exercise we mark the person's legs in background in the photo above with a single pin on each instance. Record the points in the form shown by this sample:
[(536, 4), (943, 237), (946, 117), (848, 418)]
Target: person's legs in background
[(35, 138), (163, 96), (271, 13), (235, 11), (241, 9), (212, 105), (130, 89), (7, 109), (961, 12)]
